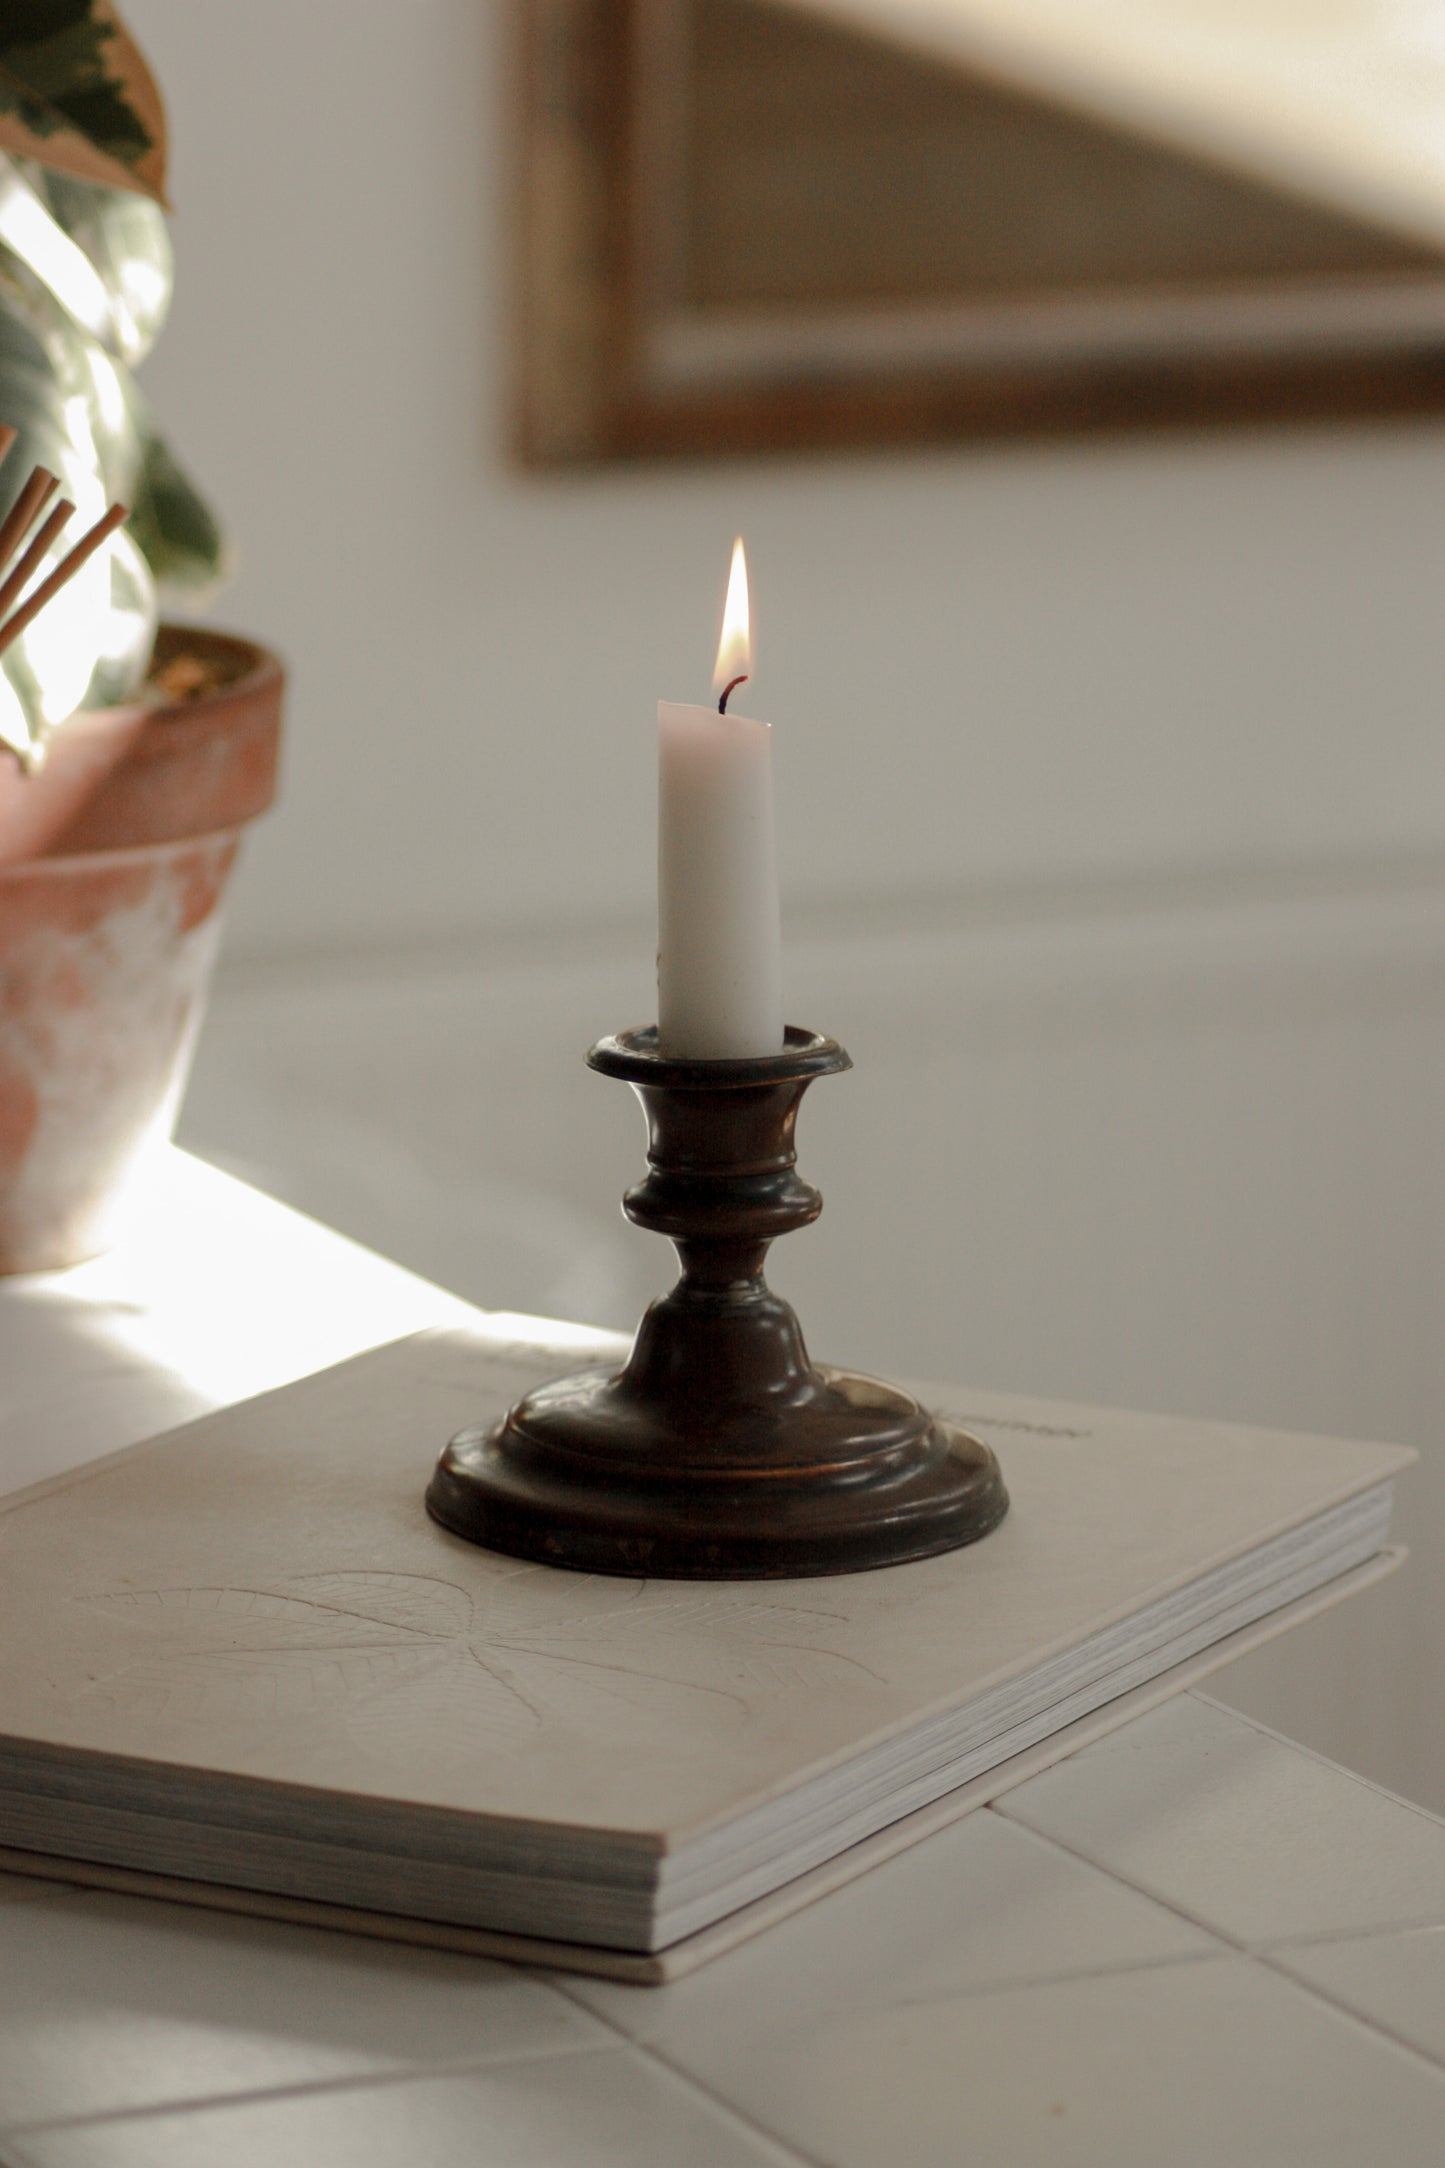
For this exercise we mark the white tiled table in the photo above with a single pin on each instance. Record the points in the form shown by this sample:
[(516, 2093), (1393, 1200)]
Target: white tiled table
[(1192, 1943)]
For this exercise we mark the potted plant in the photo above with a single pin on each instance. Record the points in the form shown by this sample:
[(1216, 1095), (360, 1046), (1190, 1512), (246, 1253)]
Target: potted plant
[(130, 754)]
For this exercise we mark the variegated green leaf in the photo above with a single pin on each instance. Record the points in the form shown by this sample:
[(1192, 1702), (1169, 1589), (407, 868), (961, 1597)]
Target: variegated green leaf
[(76, 94), (171, 524)]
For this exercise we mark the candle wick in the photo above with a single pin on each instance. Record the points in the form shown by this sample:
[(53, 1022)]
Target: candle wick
[(722, 706)]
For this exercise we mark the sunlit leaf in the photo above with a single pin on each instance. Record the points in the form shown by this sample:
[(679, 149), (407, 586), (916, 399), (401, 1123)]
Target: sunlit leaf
[(91, 648), (72, 306), (127, 242)]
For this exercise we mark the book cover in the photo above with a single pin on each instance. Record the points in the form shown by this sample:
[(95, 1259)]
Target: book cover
[(242, 1656)]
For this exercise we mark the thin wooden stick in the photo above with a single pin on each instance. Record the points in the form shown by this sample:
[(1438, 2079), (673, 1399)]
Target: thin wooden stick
[(7, 438), (26, 509), (15, 583), (70, 564)]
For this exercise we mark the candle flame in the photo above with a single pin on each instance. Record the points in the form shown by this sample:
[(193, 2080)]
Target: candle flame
[(735, 651)]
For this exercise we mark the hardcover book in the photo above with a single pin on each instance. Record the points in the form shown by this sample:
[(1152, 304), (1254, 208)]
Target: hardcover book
[(242, 1667)]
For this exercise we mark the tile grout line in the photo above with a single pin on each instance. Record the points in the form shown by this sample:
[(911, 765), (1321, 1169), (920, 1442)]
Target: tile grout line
[(1252, 1952), (1433, 2063), (1228, 1948), (1047, 1979), (693, 2084), (1006, 1986), (755, 2129), (1224, 1935), (303, 2089), (1324, 1761), (1110, 1874), (1383, 1933)]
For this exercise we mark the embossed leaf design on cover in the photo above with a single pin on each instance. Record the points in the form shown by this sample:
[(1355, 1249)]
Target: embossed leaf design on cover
[(394, 1653), (245, 1652)]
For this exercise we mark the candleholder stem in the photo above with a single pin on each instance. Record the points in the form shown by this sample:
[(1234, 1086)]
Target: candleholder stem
[(719, 1451)]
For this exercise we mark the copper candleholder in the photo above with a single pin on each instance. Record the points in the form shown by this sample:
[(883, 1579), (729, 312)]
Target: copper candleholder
[(719, 1452)]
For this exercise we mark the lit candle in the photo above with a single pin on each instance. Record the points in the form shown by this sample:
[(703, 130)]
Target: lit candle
[(719, 973)]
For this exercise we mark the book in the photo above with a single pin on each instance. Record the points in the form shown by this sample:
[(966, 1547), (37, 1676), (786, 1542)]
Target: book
[(241, 1665)]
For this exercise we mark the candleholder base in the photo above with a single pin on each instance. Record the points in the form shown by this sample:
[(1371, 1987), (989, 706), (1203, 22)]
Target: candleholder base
[(719, 1452)]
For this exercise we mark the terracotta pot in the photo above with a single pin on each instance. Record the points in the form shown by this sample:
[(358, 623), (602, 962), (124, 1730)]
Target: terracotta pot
[(106, 946), (37, 809)]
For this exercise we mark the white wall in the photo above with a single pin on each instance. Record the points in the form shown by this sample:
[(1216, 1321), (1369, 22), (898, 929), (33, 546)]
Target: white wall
[(1008, 665)]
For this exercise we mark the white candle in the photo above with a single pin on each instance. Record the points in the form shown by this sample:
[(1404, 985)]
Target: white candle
[(719, 965)]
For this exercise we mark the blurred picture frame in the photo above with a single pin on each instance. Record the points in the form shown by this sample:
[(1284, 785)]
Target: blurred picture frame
[(742, 227)]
